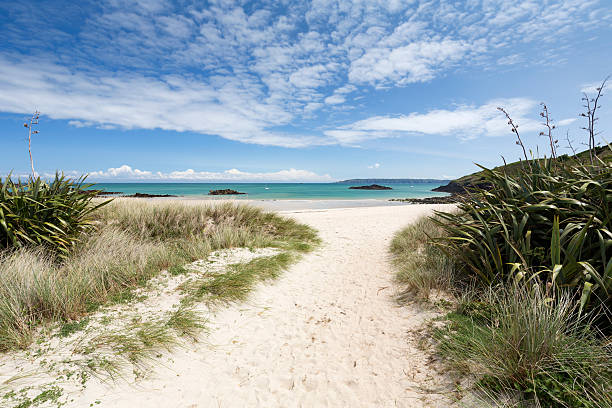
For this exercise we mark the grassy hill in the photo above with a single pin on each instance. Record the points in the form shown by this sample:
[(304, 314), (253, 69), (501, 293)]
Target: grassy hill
[(477, 179)]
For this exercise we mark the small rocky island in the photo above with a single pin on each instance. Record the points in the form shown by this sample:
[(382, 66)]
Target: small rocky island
[(145, 195), (370, 187), (226, 191)]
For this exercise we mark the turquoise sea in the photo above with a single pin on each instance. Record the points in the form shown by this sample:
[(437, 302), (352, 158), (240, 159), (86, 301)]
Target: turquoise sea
[(278, 191)]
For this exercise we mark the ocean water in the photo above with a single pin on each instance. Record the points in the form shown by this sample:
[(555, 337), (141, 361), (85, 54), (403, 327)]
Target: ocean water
[(278, 191)]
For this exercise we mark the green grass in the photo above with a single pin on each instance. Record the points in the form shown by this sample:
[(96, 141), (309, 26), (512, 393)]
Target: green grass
[(72, 327), (132, 242), (186, 323), (177, 270), (420, 266), (237, 282), (519, 339), (49, 395), (140, 342)]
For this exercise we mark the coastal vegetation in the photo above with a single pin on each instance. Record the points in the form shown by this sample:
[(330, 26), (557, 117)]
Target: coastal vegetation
[(66, 253), (527, 255), (478, 179)]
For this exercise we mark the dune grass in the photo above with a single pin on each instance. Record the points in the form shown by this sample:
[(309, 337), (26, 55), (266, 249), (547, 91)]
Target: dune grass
[(522, 344), (140, 342), (522, 340), (237, 282), (420, 266), (132, 241)]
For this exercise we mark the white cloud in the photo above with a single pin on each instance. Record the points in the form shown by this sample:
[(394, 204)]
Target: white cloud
[(510, 59), (415, 62), (464, 122), (374, 166), (309, 77), (80, 124), (126, 172), (339, 95), (335, 99), (241, 72), (565, 122), (590, 88), (139, 102)]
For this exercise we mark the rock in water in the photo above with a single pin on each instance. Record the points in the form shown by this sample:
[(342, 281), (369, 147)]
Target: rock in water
[(370, 187), (145, 195), (226, 191)]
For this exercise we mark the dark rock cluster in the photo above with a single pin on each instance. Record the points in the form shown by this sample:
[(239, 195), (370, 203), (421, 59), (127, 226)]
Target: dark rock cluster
[(370, 187), (226, 191), (145, 195), (451, 199)]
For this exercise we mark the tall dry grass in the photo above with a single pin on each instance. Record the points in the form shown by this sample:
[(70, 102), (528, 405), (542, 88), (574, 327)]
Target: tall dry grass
[(421, 266), (132, 241)]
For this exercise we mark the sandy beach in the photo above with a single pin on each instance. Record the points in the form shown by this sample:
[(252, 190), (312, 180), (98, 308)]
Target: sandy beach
[(327, 333), (283, 206)]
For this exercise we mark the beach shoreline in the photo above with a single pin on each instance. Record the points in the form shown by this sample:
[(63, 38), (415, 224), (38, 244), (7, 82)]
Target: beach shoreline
[(282, 204)]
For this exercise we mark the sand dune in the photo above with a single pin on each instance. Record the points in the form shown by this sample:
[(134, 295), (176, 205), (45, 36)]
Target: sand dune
[(327, 333)]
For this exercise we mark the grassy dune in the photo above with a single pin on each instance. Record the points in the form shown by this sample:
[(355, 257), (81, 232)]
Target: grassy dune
[(131, 242), (519, 344)]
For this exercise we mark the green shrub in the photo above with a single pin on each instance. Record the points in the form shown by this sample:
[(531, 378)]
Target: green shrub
[(37, 213), (549, 222)]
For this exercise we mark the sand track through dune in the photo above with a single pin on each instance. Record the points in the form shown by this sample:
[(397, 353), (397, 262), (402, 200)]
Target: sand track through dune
[(327, 333)]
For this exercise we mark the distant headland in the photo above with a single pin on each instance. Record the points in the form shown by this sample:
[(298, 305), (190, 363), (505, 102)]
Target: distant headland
[(391, 181)]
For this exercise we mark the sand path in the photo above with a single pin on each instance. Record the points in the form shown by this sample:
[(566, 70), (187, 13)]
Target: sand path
[(327, 333)]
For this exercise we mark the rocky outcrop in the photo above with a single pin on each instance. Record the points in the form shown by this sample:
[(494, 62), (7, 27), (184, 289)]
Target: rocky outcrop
[(452, 199), (452, 187), (227, 191), (102, 193), (370, 187), (145, 195), (455, 187)]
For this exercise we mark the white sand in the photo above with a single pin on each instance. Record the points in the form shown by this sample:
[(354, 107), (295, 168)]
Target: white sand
[(326, 333)]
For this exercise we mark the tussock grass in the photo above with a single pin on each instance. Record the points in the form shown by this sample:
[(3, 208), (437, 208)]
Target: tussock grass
[(132, 241), (521, 339), (420, 266), (524, 346)]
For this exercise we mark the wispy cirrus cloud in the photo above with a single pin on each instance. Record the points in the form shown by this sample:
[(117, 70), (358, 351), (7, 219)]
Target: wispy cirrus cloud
[(126, 172), (464, 121)]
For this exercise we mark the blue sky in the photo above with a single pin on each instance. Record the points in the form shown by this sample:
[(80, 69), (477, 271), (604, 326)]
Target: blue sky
[(286, 90)]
